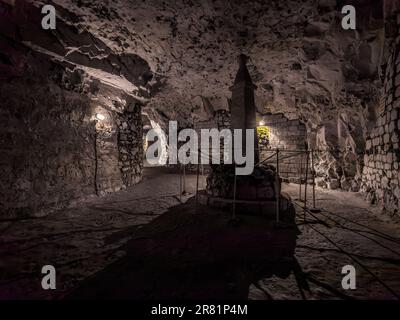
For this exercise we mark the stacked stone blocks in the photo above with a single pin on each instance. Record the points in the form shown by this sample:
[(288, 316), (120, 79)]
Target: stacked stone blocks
[(381, 175)]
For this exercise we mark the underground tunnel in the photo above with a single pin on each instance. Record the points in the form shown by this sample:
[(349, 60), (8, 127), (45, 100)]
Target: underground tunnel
[(200, 150)]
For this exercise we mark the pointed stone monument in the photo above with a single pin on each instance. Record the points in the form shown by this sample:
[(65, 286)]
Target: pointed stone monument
[(255, 192), (243, 108)]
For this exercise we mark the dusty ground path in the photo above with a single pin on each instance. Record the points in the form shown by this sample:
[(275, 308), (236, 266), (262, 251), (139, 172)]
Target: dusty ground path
[(346, 229), (76, 240), (83, 240)]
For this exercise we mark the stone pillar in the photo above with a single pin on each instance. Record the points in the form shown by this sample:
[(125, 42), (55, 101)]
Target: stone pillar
[(130, 144)]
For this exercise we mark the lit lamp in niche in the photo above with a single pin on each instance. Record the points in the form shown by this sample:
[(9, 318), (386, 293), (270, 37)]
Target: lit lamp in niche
[(263, 135)]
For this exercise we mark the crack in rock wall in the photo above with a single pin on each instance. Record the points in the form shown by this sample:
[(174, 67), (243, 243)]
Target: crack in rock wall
[(170, 56)]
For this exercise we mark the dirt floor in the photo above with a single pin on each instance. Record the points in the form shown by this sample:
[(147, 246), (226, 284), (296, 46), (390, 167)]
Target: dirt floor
[(347, 231), (146, 242)]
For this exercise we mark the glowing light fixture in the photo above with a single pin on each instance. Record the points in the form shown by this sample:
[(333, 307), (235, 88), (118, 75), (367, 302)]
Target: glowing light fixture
[(261, 123), (100, 116)]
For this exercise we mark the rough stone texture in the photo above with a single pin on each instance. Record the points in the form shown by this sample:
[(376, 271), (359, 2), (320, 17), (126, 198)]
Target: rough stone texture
[(303, 63), (243, 108), (53, 151), (220, 120), (47, 143), (90, 65), (260, 185), (130, 142), (108, 176), (380, 178), (81, 240), (290, 135)]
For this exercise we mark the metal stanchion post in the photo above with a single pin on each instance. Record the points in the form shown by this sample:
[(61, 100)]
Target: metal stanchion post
[(202, 176), (314, 209), (301, 174), (234, 197), (180, 183), (184, 179), (306, 182)]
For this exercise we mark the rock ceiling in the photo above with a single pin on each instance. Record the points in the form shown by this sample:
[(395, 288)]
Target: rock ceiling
[(179, 54)]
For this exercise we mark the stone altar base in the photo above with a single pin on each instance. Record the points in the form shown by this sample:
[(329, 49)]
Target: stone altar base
[(265, 208), (256, 194)]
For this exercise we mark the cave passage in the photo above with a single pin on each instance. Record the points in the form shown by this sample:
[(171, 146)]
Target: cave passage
[(95, 106)]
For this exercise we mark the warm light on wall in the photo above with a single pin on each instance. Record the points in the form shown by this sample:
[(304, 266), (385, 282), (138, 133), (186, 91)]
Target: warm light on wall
[(261, 123), (263, 131), (100, 116)]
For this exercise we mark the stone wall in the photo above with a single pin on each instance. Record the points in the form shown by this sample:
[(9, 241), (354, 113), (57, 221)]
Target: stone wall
[(286, 135), (46, 145), (53, 151), (222, 119), (381, 175), (130, 142)]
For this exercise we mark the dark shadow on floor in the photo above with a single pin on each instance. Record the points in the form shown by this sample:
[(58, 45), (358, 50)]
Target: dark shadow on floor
[(181, 255)]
